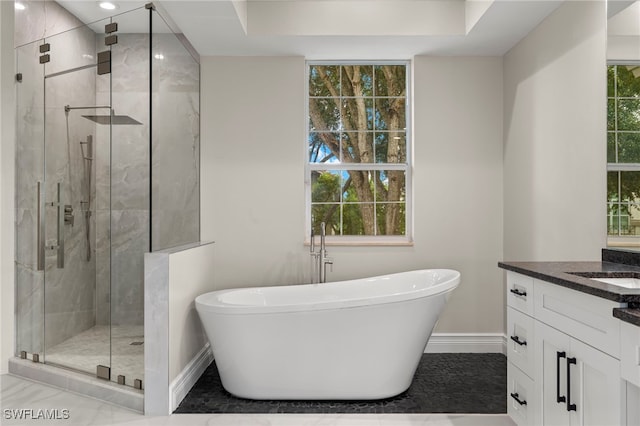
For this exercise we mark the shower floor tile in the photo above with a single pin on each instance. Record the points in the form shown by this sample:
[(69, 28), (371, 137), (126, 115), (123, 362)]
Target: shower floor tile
[(120, 347), (443, 383)]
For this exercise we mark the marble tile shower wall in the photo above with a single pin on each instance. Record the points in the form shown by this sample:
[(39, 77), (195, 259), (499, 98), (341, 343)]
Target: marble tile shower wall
[(41, 19), (42, 133)]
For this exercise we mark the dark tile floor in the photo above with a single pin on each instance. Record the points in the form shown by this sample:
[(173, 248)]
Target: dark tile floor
[(443, 383)]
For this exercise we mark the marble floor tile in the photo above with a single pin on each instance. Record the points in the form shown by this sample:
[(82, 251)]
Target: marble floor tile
[(20, 396)]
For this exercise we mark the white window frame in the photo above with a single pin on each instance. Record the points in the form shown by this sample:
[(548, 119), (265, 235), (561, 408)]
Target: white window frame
[(378, 240)]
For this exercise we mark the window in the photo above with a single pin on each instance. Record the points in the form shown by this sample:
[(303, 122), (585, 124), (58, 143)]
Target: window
[(623, 150), (358, 175)]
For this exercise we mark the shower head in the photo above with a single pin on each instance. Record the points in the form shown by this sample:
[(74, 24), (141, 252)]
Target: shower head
[(103, 119), (111, 119)]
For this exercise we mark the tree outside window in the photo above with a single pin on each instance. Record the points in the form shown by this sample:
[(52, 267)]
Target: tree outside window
[(358, 170)]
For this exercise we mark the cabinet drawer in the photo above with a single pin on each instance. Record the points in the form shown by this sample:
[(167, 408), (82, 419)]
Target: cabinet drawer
[(520, 292), (587, 318), (520, 341), (630, 352), (520, 396)]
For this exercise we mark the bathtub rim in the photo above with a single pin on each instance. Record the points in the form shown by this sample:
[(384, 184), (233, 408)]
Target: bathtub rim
[(221, 308)]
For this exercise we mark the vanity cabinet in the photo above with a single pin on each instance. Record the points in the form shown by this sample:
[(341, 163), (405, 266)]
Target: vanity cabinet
[(580, 385), (522, 401), (563, 356)]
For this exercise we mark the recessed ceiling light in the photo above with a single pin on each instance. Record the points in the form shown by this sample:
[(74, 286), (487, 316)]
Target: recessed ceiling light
[(158, 56), (107, 5), (19, 6)]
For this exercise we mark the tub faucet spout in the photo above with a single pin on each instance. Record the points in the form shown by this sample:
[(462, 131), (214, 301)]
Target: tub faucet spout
[(320, 259)]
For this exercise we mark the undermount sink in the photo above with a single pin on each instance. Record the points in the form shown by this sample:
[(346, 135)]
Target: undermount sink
[(620, 282), (623, 279)]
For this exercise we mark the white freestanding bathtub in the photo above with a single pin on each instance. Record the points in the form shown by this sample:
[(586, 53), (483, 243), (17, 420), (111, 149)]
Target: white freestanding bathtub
[(359, 339)]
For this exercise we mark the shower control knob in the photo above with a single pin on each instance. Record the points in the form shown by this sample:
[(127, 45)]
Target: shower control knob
[(68, 214)]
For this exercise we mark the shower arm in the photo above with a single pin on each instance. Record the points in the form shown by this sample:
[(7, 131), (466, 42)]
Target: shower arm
[(68, 108)]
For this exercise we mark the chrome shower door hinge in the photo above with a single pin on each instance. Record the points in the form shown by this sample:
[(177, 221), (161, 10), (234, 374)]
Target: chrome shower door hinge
[(111, 28), (111, 39), (104, 62), (103, 372)]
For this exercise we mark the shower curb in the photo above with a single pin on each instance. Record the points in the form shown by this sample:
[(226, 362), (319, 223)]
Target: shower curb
[(79, 383)]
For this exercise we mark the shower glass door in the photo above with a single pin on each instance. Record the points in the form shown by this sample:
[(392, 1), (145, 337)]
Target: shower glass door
[(76, 277), (29, 270), (63, 254)]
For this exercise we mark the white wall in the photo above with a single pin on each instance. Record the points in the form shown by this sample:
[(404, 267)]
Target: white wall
[(458, 184), (7, 161), (252, 119), (555, 130), (253, 153)]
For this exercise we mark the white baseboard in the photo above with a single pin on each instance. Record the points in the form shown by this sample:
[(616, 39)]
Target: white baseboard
[(467, 342), (188, 377)]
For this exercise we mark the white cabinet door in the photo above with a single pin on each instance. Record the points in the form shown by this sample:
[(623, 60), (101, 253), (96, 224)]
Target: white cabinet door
[(597, 379), (553, 347), (579, 384)]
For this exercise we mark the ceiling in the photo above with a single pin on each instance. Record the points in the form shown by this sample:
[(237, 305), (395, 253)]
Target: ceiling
[(344, 29)]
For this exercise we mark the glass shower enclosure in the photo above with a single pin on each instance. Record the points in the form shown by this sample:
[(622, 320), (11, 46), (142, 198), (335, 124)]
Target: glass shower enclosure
[(107, 169)]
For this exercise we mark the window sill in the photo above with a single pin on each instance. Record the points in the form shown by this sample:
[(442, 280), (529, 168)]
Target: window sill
[(355, 241), (624, 241)]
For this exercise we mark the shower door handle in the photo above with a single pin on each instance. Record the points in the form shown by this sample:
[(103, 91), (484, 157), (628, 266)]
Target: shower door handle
[(60, 247), (40, 254)]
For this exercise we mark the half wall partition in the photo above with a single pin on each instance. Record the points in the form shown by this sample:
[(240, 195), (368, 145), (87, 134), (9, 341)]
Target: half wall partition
[(107, 169)]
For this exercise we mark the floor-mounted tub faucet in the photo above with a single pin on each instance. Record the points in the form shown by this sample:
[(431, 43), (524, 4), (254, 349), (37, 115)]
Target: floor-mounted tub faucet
[(320, 259)]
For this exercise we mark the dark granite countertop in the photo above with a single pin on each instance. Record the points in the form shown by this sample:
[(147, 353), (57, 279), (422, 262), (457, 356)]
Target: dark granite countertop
[(576, 276), (629, 315), (562, 273)]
